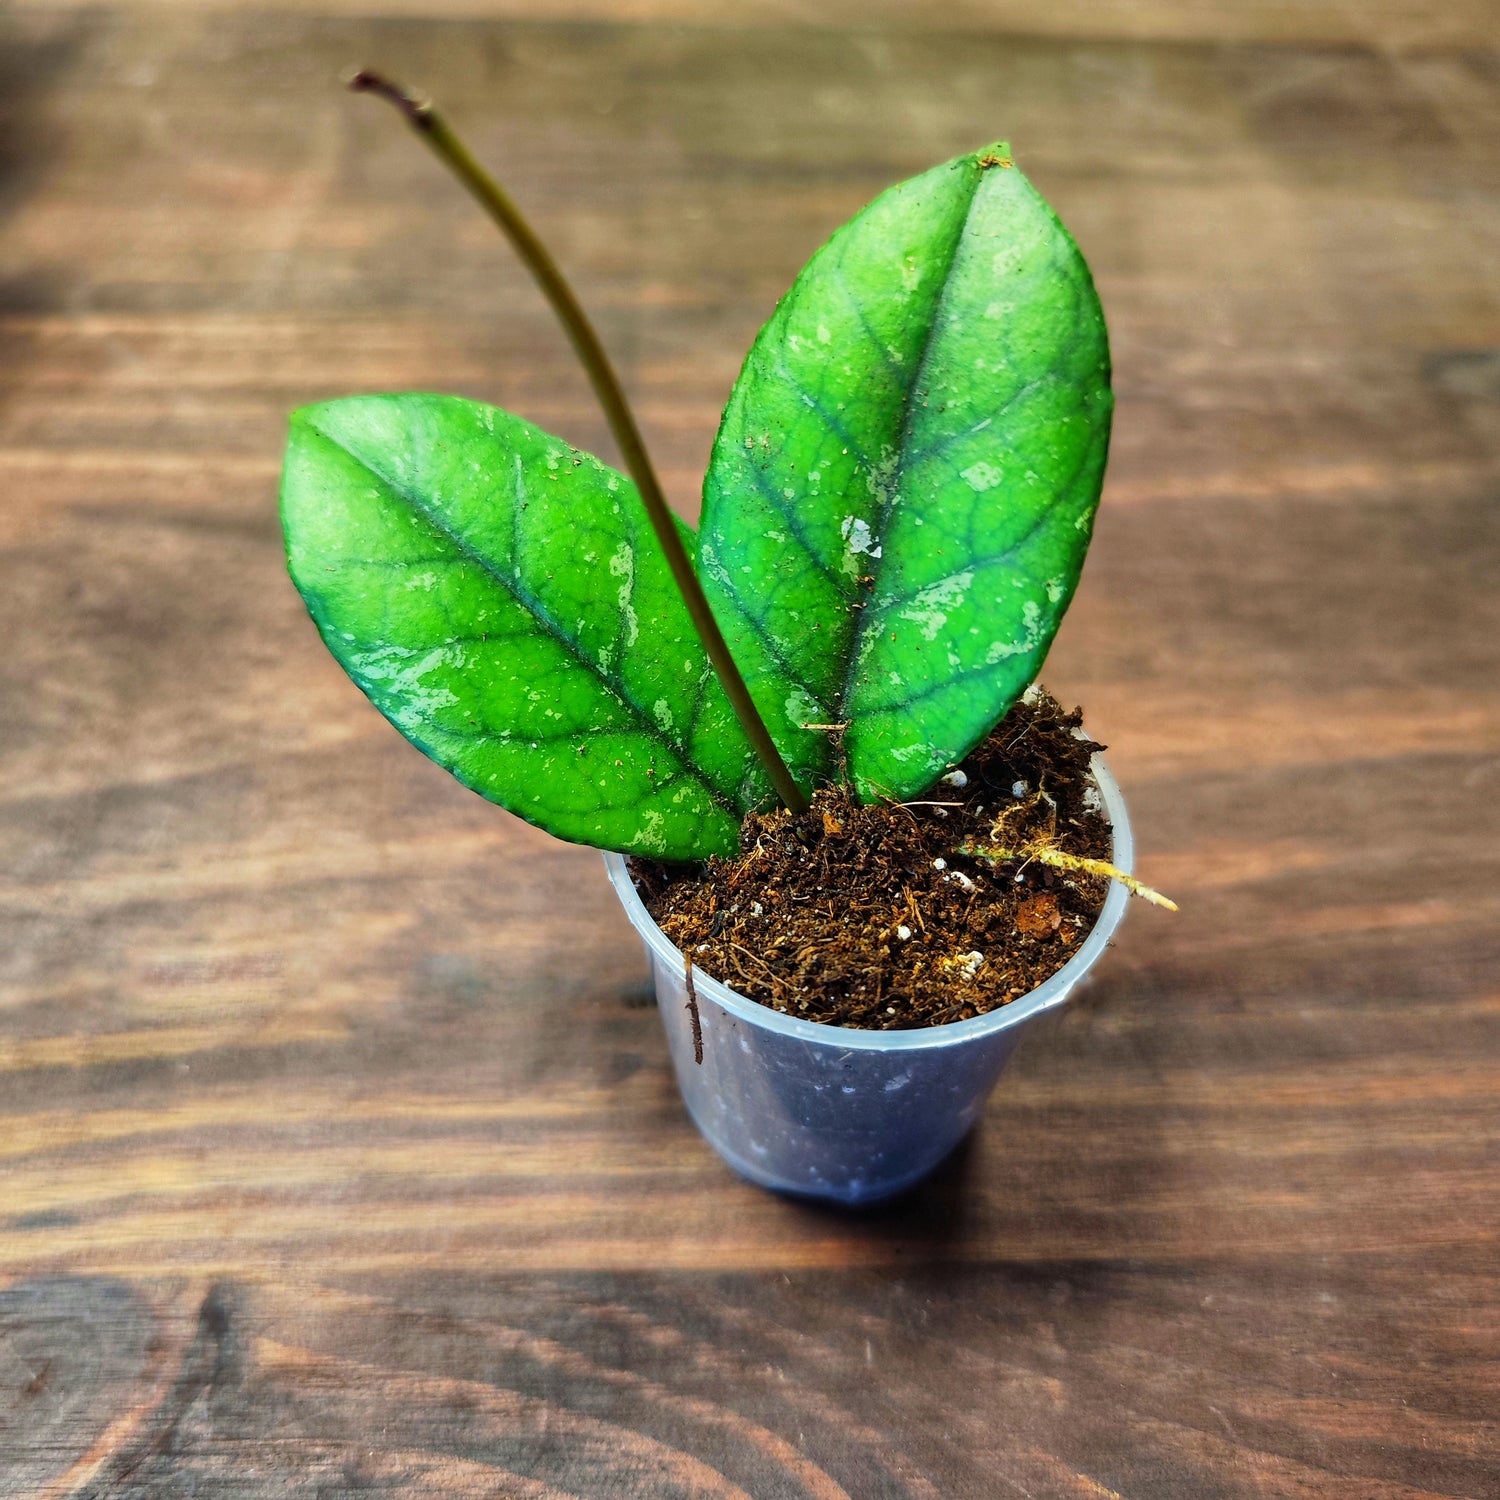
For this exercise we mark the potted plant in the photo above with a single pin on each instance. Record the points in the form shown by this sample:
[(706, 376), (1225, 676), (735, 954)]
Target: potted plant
[(896, 513)]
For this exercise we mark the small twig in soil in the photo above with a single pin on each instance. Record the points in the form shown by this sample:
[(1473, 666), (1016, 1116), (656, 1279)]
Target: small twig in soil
[(914, 909), (759, 963), (692, 1009)]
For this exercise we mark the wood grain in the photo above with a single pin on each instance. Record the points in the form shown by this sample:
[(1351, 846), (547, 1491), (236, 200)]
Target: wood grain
[(338, 1145)]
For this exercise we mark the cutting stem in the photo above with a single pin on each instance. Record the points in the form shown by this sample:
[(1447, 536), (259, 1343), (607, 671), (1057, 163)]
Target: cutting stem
[(496, 202)]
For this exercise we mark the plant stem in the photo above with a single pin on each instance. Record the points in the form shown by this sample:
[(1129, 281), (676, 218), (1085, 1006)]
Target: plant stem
[(1044, 854), (496, 202)]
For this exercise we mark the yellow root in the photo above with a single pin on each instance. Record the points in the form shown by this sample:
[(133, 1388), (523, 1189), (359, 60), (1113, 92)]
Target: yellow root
[(1044, 854)]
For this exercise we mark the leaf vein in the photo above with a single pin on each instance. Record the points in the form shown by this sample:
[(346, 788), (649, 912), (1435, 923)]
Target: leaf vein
[(534, 607)]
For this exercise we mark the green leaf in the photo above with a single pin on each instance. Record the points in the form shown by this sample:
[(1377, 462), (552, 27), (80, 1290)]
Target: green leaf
[(502, 600), (903, 487)]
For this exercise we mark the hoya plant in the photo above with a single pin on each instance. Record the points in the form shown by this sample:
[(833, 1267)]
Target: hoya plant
[(895, 515)]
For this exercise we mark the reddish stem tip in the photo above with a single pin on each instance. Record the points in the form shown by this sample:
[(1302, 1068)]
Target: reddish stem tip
[(416, 107)]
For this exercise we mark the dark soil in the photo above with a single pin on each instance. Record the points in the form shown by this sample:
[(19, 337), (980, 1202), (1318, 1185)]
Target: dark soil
[(870, 916)]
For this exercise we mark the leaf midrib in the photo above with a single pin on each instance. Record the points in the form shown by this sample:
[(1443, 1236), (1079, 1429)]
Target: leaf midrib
[(534, 608), (893, 488)]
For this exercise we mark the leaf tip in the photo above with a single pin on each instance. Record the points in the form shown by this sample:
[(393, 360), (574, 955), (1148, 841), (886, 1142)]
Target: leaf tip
[(306, 416), (997, 155)]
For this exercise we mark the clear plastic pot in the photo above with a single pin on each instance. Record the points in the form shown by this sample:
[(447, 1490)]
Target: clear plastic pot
[(830, 1112)]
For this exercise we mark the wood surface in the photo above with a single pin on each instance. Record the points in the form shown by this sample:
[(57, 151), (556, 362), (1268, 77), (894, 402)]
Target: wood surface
[(338, 1147)]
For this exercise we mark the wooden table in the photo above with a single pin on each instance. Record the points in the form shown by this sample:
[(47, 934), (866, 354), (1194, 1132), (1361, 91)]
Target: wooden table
[(338, 1146)]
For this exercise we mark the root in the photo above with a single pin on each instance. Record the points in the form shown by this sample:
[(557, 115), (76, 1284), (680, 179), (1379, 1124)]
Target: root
[(1046, 854)]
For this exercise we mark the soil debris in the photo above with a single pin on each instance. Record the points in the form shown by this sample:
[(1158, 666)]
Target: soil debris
[(875, 917)]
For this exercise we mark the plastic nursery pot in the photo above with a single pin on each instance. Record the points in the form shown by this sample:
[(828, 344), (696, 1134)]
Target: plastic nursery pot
[(831, 1112)]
